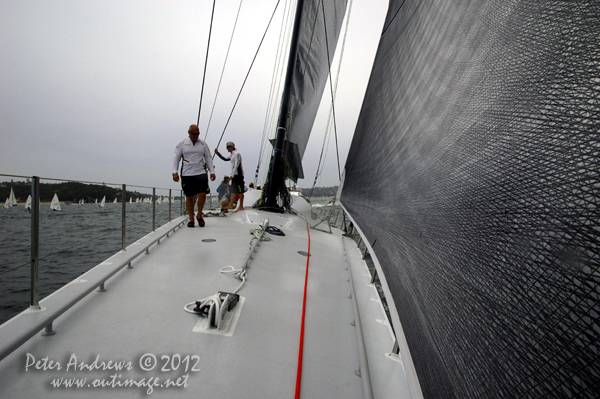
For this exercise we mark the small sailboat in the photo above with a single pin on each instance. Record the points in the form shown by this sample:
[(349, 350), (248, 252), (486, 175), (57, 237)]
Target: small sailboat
[(11, 200), (55, 204), (103, 202), (115, 201), (130, 200), (81, 201), (96, 201), (28, 203)]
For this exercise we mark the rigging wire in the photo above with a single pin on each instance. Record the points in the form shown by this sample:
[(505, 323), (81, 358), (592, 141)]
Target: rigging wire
[(332, 95), (327, 136), (223, 70), (276, 78), (248, 74), (308, 55), (206, 61)]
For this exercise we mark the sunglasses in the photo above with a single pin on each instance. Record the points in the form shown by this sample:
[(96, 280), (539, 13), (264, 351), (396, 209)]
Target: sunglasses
[(193, 134)]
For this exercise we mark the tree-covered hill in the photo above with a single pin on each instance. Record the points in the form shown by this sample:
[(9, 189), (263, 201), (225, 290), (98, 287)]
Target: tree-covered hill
[(67, 192)]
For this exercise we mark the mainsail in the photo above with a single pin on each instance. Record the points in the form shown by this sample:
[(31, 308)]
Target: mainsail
[(102, 202), (317, 41), (316, 31), (28, 202), (474, 174), (55, 204)]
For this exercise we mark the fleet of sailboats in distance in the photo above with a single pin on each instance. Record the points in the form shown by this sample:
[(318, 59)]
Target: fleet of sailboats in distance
[(55, 203)]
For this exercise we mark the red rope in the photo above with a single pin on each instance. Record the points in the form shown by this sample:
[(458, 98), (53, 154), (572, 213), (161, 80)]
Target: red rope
[(301, 349)]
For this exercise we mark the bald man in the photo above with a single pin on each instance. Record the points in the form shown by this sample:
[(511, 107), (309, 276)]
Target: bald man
[(195, 163)]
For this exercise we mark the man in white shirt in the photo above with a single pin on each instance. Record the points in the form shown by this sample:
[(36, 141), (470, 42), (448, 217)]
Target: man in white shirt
[(237, 175), (195, 162)]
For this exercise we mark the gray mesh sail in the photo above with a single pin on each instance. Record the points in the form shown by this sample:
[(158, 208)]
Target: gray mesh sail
[(311, 69), (476, 166)]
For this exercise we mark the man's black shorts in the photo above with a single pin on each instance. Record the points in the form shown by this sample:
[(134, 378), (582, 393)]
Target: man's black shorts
[(237, 184), (193, 185)]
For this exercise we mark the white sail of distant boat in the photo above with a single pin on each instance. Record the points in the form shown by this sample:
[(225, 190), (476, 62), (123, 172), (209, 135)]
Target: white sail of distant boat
[(103, 202), (28, 202), (159, 200), (130, 200), (55, 204), (81, 201), (96, 201), (115, 201), (12, 199)]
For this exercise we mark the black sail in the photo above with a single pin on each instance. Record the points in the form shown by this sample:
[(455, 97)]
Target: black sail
[(476, 166), (315, 34), (317, 40)]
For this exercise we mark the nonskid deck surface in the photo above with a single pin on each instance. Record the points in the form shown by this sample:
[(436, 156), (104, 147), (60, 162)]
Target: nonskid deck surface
[(139, 323)]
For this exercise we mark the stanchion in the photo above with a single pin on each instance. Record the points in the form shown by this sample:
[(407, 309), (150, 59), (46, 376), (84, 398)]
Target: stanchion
[(35, 241)]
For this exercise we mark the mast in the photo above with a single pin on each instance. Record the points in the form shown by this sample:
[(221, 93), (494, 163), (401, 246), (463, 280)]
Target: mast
[(276, 180)]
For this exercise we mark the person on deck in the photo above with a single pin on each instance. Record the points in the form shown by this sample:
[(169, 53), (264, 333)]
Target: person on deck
[(237, 175), (195, 162), (223, 191)]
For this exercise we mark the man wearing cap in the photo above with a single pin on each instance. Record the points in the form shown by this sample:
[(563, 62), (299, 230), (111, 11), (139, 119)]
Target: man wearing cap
[(237, 175), (195, 162)]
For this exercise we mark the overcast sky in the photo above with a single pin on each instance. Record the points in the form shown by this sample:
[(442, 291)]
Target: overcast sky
[(103, 90)]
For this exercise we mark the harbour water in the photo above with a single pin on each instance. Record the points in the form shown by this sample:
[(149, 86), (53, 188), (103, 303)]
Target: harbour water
[(72, 241)]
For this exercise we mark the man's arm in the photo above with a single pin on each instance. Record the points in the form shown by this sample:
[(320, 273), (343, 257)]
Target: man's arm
[(177, 157), (221, 156), (208, 159), (209, 162)]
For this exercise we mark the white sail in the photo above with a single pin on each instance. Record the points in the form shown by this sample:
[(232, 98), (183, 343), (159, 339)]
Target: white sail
[(115, 201), (103, 202), (96, 201), (13, 200), (28, 202), (7, 203), (130, 200), (55, 204)]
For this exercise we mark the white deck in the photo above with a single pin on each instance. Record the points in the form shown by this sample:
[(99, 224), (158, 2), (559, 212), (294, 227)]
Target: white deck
[(142, 312)]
